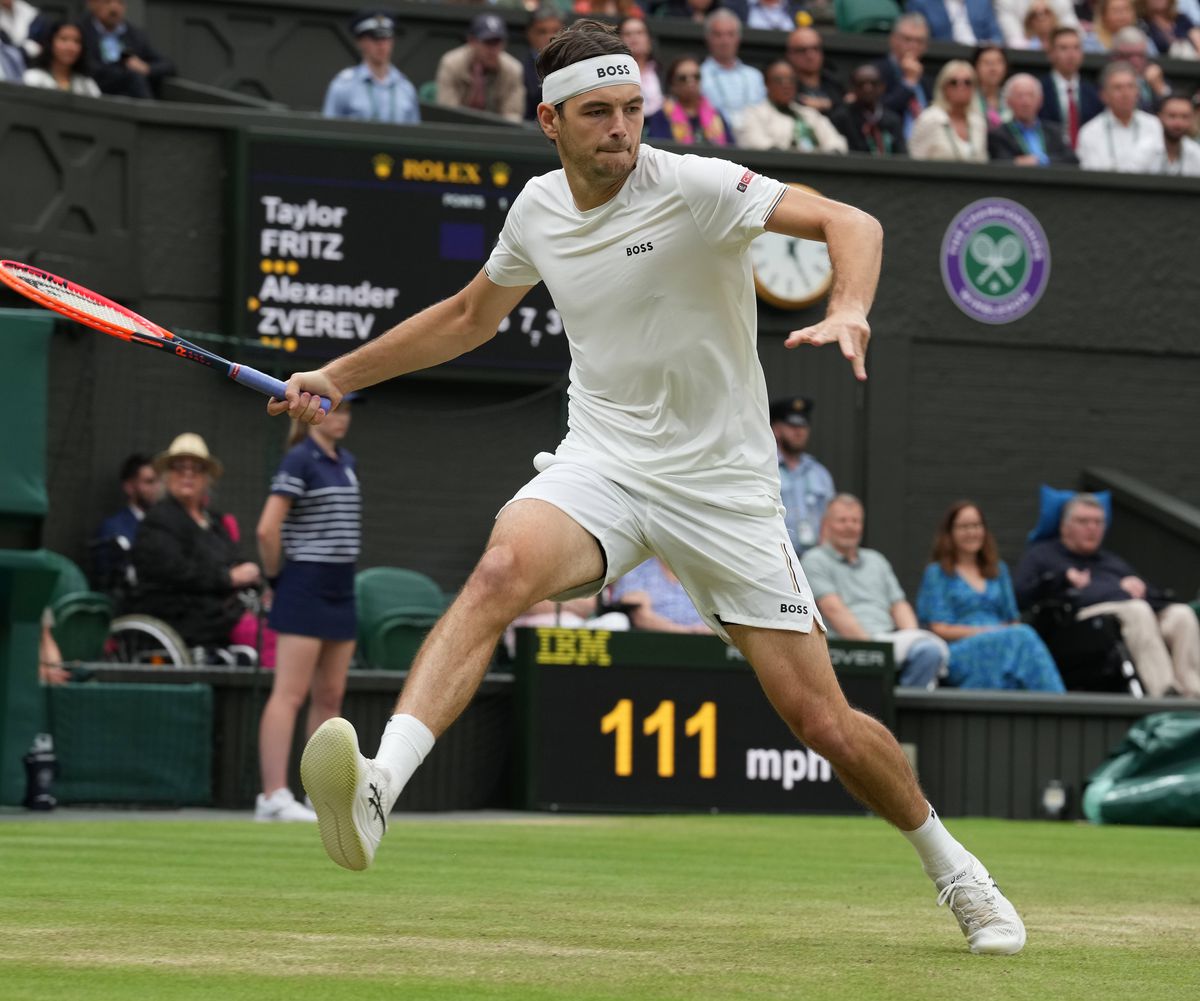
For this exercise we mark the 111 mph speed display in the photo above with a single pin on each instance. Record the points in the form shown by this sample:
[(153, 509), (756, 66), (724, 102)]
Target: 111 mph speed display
[(341, 242)]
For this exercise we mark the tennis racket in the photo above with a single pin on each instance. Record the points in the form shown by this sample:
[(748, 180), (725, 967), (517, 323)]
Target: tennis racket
[(95, 311)]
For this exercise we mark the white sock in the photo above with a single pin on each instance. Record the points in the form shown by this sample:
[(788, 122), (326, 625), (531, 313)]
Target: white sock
[(941, 855), (405, 743)]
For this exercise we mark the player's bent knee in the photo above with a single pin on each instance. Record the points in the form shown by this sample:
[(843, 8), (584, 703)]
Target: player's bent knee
[(500, 584), (833, 736)]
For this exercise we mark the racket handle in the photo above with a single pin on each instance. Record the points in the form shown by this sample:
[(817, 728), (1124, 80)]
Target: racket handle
[(264, 383)]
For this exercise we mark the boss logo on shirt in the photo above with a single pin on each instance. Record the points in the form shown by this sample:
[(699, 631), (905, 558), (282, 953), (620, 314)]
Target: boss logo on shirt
[(744, 183), (785, 608), (639, 248), (603, 71)]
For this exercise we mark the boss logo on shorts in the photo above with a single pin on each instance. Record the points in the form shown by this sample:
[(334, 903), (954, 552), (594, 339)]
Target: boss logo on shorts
[(744, 183), (639, 248), (603, 71), (787, 609)]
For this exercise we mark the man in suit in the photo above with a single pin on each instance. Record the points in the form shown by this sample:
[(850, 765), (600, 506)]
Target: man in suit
[(1069, 101), (868, 126), (907, 88), (1022, 140), (117, 55), (968, 22)]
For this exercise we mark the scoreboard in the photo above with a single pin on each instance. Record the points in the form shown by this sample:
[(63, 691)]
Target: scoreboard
[(338, 241), (659, 721)]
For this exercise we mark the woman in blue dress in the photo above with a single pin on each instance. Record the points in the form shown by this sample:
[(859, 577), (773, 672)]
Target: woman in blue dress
[(967, 599)]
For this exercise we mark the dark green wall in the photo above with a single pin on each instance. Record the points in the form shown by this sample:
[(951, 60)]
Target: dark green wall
[(136, 199)]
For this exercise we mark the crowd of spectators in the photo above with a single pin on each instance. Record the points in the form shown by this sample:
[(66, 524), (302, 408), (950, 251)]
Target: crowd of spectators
[(972, 112)]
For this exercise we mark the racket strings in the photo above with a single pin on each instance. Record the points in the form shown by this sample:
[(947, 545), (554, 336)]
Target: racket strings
[(76, 300)]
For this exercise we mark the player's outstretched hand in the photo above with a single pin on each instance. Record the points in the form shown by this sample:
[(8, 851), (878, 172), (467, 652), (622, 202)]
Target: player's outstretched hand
[(850, 331), (302, 401)]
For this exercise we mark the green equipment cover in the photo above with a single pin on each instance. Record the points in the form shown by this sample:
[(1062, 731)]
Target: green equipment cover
[(1153, 777)]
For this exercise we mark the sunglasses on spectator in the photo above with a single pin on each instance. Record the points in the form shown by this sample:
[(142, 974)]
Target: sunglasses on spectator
[(186, 466), (801, 49), (964, 81)]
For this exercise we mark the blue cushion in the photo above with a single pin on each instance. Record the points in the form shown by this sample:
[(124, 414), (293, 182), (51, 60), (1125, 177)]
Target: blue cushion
[(1050, 511)]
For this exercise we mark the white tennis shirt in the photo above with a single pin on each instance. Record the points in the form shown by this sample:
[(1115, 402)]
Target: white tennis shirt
[(657, 298)]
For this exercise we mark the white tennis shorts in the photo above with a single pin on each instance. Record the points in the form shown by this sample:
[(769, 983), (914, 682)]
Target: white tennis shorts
[(736, 567)]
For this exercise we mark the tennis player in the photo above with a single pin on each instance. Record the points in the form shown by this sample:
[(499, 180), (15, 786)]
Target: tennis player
[(669, 451)]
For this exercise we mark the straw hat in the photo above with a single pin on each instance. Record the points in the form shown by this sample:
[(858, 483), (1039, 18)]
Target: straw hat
[(189, 445)]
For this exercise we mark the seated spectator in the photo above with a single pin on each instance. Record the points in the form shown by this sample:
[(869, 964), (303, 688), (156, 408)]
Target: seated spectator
[(867, 125), (1020, 24), (1038, 27), (860, 599), (692, 10), (952, 127), (815, 87), (1023, 140), (142, 487), (544, 24), (1181, 154), (481, 74), (1133, 47), (968, 22), (119, 56), (658, 601), (967, 599), (1163, 637), (991, 68), (374, 90), (19, 21), (768, 15), (187, 566), (805, 485), (907, 88), (1170, 32), (607, 8), (59, 65), (728, 83), (1110, 17), (636, 37), (780, 122), (12, 62), (1069, 101), (1123, 138), (687, 116)]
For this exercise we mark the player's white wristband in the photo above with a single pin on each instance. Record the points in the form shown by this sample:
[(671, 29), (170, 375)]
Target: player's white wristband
[(589, 74)]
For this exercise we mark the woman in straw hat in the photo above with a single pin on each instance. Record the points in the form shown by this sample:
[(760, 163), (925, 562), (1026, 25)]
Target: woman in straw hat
[(187, 564)]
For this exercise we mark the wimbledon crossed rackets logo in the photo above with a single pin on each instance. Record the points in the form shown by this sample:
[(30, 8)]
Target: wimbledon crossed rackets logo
[(995, 260)]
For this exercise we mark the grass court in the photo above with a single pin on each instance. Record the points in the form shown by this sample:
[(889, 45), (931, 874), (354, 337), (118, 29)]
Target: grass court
[(533, 908)]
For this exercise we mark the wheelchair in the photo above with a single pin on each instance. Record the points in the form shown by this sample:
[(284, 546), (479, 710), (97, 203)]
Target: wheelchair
[(1091, 654)]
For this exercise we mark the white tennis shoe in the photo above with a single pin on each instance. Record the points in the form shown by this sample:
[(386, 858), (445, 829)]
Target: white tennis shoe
[(990, 922), (282, 805), (351, 794)]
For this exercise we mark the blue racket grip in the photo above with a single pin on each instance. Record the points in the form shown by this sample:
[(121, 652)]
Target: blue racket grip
[(264, 383)]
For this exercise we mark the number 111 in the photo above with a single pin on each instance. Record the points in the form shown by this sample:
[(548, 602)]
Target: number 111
[(662, 722)]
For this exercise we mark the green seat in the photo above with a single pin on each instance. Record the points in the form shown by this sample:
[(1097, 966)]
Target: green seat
[(865, 16), (427, 92), (396, 610), (81, 624), (71, 580)]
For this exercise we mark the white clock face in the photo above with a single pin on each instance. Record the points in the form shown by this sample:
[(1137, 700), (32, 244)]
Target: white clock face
[(791, 271)]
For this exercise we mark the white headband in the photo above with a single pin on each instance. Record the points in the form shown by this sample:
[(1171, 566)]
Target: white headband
[(589, 74)]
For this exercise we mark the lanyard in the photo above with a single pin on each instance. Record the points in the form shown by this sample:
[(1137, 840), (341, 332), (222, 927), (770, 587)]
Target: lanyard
[(1108, 131), (391, 89), (1019, 135)]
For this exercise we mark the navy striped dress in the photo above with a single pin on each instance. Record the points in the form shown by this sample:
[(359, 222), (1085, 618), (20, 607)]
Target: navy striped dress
[(321, 536)]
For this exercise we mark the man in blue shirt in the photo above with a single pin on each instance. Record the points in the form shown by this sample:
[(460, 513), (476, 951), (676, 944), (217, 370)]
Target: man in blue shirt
[(142, 487), (806, 486), (725, 80), (374, 90)]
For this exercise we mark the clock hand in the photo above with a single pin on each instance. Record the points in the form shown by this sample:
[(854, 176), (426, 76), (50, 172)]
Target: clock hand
[(791, 249)]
